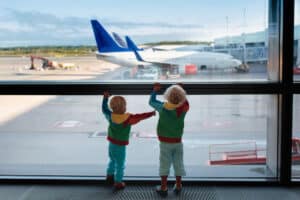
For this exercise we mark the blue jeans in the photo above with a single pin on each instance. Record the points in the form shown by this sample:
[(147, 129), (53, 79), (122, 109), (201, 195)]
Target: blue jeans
[(116, 165)]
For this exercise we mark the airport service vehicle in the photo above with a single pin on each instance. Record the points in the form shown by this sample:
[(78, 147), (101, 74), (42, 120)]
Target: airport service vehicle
[(246, 153), (48, 64), (170, 62)]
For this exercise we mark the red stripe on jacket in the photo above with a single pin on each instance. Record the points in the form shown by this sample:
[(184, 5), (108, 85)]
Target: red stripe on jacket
[(183, 108), (135, 118), (118, 142), (169, 140)]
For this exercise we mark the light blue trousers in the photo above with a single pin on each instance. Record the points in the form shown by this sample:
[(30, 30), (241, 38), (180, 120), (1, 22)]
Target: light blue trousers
[(171, 153), (116, 165)]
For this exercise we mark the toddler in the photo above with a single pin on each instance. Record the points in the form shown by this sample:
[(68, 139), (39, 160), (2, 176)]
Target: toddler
[(170, 130), (120, 123)]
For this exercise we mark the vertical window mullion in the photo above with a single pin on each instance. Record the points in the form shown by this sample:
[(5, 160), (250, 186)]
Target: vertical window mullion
[(286, 103)]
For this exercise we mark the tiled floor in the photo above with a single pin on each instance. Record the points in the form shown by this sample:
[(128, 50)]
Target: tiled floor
[(141, 192)]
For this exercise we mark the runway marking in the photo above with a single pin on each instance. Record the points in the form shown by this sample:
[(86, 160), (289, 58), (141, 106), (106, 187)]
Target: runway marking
[(217, 124), (68, 124), (144, 134), (98, 134), (134, 134)]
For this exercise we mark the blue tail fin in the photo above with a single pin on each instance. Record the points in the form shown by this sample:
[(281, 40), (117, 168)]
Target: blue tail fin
[(134, 48), (131, 44), (105, 42), (119, 40)]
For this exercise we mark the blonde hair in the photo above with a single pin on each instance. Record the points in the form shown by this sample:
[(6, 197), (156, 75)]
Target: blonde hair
[(175, 94), (118, 104)]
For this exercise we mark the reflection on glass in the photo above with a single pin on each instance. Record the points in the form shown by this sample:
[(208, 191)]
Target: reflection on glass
[(297, 42), (225, 136), (228, 44), (296, 139)]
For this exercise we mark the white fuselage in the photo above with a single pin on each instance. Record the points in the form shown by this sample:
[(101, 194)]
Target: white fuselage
[(203, 60)]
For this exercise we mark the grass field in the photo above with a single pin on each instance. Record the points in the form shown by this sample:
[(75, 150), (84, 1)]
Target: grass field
[(83, 50), (50, 51)]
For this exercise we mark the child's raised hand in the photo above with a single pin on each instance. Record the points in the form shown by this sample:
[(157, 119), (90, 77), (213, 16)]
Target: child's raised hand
[(106, 94), (156, 87)]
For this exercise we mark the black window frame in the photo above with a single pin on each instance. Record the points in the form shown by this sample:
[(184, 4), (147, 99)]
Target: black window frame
[(285, 88)]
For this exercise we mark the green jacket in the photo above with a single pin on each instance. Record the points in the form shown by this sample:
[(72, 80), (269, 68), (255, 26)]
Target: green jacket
[(120, 124), (171, 119)]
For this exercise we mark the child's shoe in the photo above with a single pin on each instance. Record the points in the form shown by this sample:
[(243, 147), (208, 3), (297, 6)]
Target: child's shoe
[(177, 190), (162, 193), (110, 179), (119, 186)]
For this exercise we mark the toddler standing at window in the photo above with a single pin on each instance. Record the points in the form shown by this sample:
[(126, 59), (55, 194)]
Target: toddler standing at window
[(170, 130), (118, 136)]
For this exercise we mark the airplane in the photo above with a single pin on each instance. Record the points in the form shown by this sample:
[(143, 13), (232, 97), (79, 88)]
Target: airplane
[(119, 40), (171, 62)]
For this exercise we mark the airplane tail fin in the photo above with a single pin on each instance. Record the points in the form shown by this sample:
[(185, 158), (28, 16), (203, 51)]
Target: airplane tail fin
[(119, 40), (134, 48), (105, 42), (131, 44)]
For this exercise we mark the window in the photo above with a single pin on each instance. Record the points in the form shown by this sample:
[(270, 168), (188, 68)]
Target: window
[(296, 57), (223, 133), (256, 96), (225, 45), (295, 139), (295, 130)]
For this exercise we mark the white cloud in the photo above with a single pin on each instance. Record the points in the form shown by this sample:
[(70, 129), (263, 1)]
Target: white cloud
[(37, 28), (297, 11)]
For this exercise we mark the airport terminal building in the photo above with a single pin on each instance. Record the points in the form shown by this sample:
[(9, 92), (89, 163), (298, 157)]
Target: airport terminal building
[(256, 46)]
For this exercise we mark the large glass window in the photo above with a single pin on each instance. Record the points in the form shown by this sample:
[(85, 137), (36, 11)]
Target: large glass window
[(296, 139), (296, 111), (225, 137), (170, 40), (296, 58), (233, 65)]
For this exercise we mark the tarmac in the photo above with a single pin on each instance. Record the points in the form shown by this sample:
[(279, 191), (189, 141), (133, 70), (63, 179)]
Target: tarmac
[(64, 136)]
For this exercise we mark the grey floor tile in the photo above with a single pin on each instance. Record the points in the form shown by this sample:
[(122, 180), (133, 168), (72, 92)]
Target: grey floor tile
[(143, 192)]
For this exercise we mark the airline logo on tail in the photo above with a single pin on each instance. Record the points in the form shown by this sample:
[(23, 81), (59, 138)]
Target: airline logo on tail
[(106, 44), (119, 40)]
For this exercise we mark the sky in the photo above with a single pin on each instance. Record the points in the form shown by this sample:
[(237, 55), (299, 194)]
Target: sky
[(66, 22)]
